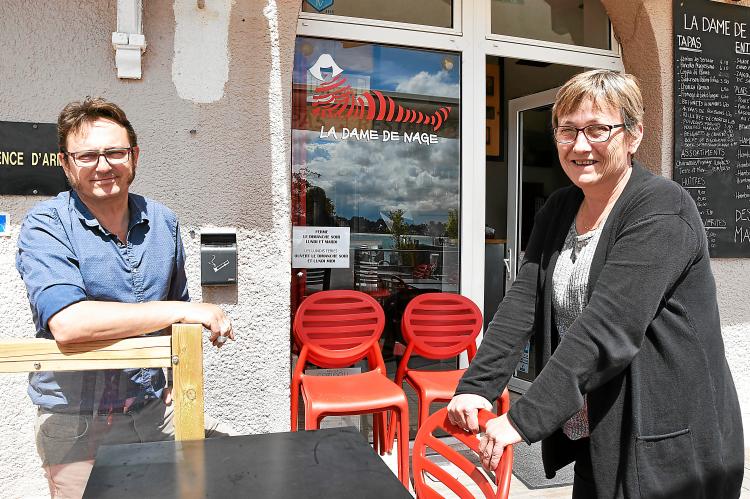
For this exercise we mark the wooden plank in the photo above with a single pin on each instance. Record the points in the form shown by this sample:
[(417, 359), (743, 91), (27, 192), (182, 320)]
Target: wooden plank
[(187, 349), (36, 354), (80, 365), (147, 348)]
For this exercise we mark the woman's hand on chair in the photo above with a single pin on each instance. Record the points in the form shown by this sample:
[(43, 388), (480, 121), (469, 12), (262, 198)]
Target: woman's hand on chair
[(498, 434), (463, 411)]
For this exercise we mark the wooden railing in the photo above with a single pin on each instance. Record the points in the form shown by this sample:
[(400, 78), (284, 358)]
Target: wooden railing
[(182, 352)]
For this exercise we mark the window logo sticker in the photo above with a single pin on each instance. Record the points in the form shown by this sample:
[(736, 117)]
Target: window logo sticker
[(320, 5), (335, 98)]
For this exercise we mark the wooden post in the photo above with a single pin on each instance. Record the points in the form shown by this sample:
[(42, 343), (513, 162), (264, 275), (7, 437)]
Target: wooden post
[(187, 392)]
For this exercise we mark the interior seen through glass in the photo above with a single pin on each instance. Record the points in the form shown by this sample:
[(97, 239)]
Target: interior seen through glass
[(426, 12), (575, 22), (538, 170)]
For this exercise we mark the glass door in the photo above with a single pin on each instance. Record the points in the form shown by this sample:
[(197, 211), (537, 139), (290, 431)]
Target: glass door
[(376, 168), (534, 173), (531, 153)]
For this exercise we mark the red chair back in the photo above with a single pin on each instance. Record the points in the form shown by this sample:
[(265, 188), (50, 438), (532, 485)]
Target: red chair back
[(338, 328), (441, 325), (427, 439)]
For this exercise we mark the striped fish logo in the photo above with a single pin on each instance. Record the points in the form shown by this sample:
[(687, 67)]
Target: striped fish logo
[(335, 98)]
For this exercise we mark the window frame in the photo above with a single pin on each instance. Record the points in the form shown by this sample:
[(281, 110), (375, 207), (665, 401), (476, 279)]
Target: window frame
[(556, 46)]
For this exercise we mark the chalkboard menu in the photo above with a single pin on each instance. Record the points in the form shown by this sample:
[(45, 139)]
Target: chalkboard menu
[(28, 159), (712, 118)]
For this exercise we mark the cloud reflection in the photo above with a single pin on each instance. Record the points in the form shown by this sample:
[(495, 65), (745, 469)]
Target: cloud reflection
[(435, 84), (365, 178)]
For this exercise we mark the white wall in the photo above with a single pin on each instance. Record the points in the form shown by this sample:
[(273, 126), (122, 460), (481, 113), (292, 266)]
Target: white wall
[(231, 172), (732, 283)]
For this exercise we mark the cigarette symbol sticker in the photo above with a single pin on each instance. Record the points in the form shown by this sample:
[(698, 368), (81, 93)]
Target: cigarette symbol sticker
[(217, 267)]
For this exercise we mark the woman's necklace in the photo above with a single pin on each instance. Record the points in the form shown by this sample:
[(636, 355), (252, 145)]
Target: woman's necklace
[(595, 224), (605, 211)]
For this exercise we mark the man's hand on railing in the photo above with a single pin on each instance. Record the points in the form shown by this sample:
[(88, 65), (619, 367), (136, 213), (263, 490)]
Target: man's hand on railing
[(212, 317)]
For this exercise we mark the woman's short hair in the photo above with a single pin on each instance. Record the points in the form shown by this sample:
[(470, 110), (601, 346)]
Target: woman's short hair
[(77, 114), (602, 87)]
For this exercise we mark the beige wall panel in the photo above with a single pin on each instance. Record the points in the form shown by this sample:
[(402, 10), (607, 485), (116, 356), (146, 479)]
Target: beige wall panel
[(223, 164)]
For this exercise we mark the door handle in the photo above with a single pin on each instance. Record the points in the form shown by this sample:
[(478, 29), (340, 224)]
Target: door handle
[(506, 261)]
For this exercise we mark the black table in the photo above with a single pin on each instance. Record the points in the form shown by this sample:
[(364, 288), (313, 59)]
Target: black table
[(329, 463)]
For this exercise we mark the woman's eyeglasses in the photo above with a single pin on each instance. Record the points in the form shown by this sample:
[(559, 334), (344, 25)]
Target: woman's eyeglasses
[(593, 133)]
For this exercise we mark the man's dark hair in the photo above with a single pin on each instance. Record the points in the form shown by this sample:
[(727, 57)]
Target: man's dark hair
[(79, 113)]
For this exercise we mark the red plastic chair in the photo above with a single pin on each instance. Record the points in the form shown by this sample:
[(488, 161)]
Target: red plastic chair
[(436, 326), (427, 439), (336, 329)]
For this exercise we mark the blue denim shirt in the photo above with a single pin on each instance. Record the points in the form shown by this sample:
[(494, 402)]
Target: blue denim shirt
[(66, 256)]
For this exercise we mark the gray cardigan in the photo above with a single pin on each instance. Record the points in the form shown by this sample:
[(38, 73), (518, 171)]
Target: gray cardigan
[(647, 349)]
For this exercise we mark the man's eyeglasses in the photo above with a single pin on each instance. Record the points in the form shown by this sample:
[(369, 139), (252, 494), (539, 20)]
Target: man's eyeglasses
[(114, 156), (593, 133)]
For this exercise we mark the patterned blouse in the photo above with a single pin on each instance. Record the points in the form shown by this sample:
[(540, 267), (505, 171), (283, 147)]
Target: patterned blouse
[(569, 297)]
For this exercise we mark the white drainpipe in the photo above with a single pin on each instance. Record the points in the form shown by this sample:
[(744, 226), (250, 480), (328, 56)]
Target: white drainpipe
[(128, 41)]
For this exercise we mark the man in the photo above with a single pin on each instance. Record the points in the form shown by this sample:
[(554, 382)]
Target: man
[(101, 263)]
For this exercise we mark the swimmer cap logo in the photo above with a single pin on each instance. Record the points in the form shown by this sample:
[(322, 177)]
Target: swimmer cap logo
[(320, 5)]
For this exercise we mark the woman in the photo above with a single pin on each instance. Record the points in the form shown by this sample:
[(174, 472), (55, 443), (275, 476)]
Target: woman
[(617, 288)]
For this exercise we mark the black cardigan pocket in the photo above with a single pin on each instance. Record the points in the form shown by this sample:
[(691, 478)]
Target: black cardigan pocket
[(667, 467)]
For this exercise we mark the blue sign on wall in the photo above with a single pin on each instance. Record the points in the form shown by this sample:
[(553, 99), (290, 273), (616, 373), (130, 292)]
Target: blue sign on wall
[(320, 5)]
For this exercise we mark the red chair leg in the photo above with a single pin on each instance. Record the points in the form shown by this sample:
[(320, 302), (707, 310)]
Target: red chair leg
[(403, 445), (312, 417), (376, 440), (423, 408), (395, 421), (385, 416), (391, 431), (294, 406), (383, 432), (391, 426)]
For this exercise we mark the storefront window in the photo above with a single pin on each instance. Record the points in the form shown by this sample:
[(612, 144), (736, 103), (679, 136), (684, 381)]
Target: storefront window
[(427, 12), (575, 22), (375, 170)]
